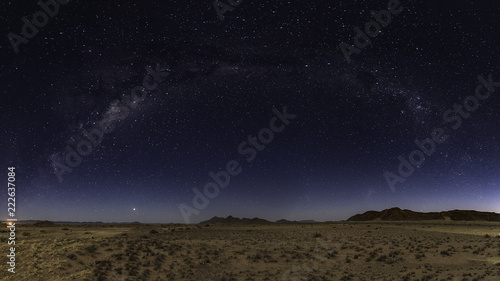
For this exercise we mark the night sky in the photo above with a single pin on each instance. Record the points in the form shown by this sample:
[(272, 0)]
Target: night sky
[(213, 84)]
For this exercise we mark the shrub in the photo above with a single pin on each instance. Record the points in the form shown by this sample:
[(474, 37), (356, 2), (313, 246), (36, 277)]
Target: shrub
[(331, 254), (91, 249), (419, 256)]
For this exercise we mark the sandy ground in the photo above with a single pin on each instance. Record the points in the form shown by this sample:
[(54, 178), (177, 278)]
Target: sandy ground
[(336, 251)]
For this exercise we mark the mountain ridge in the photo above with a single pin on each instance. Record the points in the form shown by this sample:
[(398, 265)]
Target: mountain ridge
[(397, 214), (233, 220)]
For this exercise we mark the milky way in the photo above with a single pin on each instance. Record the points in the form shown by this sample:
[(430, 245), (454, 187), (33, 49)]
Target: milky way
[(225, 78)]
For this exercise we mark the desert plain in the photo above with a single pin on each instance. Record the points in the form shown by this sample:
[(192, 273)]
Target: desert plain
[(423, 250)]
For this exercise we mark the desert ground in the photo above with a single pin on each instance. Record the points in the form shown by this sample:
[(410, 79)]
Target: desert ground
[(428, 250)]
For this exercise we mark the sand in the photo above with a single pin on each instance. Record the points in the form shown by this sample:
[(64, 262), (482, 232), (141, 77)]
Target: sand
[(434, 250)]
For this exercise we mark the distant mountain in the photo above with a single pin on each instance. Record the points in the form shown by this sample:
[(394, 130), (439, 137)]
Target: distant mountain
[(283, 221), (233, 220), (307, 221), (396, 214), (45, 224)]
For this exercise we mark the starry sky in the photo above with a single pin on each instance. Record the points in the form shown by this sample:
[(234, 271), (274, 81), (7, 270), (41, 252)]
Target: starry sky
[(217, 82)]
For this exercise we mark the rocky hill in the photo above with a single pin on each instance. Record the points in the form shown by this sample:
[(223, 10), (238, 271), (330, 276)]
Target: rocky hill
[(283, 221), (233, 220), (45, 224), (396, 214)]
